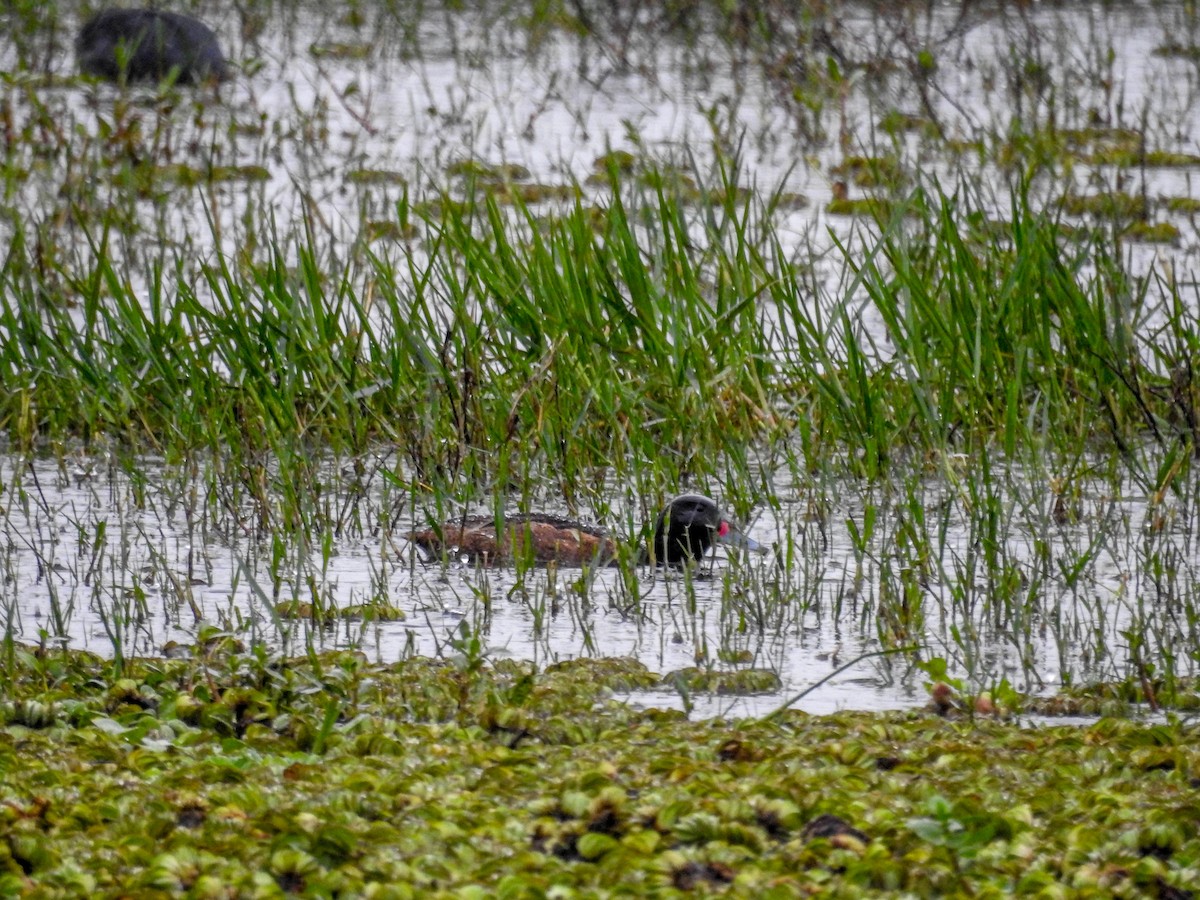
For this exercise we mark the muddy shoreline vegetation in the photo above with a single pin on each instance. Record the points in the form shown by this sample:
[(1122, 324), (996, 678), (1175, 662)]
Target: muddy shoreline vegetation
[(910, 290)]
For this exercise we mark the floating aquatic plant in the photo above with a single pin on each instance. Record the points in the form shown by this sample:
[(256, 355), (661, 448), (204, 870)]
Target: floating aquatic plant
[(414, 791)]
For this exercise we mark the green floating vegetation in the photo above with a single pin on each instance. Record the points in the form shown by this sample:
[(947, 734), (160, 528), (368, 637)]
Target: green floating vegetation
[(1108, 205), (189, 176), (1183, 205), (1121, 147), (785, 200), (1100, 140), (512, 193), (252, 128), (368, 612), (619, 167), (1152, 232), (1054, 147), (616, 673), (735, 657), (338, 50), (742, 682), (1179, 51), (480, 171), (376, 176), (240, 173), (897, 122), (870, 171), (1118, 698), (253, 775), (149, 179), (1124, 158), (615, 160), (869, 207), (670, 179), (389, 230), (442, 208)]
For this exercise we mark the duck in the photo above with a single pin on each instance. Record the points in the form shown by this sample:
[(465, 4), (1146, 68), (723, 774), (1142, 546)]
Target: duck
[(685, 530), (149, 45)]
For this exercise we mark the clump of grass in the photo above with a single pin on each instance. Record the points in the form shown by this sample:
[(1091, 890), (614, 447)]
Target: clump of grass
[(502, 338), (574, 342), (1030, 338)]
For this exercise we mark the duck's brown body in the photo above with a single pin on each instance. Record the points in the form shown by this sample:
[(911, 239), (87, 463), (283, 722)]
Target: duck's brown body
[(683, 533), (535, 538)]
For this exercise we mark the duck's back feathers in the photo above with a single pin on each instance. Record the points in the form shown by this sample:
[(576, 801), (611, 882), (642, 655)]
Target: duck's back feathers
[(536, 537)]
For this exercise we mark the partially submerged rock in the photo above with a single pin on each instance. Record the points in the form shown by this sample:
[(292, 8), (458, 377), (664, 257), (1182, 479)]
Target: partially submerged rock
[(149, 45)]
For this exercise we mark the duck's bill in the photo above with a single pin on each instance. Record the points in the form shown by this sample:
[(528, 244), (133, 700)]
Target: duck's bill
[(731, 537)]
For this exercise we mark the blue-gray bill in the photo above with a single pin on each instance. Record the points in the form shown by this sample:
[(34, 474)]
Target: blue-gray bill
[(732, 537)]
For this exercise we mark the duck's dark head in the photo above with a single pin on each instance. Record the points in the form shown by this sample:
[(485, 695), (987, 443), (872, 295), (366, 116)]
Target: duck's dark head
[(689, 526)]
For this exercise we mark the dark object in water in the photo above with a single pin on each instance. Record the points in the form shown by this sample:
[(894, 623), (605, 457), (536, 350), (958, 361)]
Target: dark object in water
[(684, 531), (834, 829), (148, 45)]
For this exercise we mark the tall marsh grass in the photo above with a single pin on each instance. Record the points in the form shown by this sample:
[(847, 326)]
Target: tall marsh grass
[(969, 375), (645, 338)]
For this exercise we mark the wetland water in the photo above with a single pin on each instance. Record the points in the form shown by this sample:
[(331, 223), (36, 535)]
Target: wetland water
[(332, 122), (107, 561), (329, 123)]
